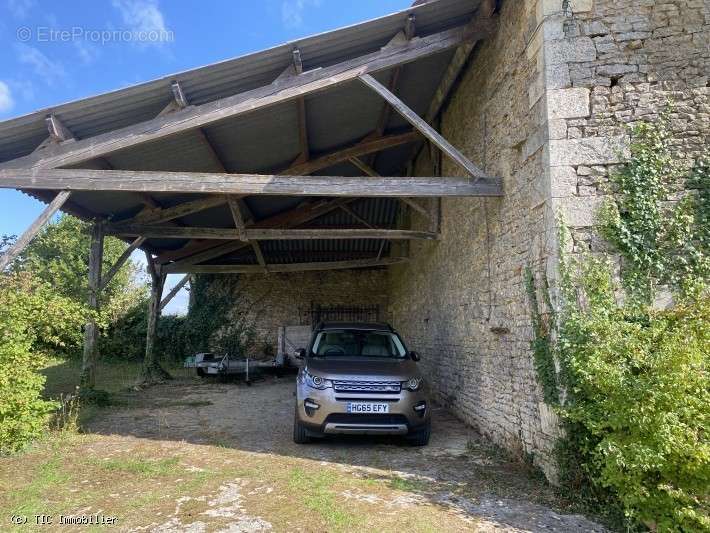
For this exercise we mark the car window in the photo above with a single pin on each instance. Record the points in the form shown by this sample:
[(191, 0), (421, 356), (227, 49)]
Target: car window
[(345, 342)]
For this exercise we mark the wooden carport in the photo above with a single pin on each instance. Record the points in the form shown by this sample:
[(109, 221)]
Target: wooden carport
[(305, 172)]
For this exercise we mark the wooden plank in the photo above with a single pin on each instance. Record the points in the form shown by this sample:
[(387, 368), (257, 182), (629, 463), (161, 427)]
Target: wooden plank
[(34, 228), (414, 205), (286, 89), (170, 232), (91, 333), (365, 147), (214, 183), (105, 280), (158, 215), (426, 130), (176, 289), (238, 219), (58, 132), (293, 267), (367, 169), (259, 254), (357, 217)]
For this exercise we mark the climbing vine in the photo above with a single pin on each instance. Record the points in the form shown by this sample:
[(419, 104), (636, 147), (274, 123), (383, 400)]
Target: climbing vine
[(632, 385)]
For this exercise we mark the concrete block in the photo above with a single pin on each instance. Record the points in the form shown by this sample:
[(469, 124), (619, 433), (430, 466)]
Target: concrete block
[(568, 103)]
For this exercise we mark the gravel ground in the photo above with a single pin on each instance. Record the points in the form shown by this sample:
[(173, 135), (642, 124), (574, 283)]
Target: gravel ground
[(458, 472)]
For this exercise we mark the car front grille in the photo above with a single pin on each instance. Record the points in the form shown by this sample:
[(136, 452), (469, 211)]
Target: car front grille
[(392, 387)]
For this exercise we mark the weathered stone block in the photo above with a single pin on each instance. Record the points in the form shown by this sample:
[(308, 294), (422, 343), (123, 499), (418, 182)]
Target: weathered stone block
[(577, 50), (589, 151), (568, 103), (563, 182)]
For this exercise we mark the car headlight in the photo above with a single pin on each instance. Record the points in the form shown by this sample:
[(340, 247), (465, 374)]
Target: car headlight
[(412, 384), (316, 382)]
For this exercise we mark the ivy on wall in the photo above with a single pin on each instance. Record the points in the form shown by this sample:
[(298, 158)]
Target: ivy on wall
[(633, 382)]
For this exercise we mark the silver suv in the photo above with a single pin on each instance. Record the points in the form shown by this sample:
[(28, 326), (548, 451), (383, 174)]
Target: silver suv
[(360, 379)]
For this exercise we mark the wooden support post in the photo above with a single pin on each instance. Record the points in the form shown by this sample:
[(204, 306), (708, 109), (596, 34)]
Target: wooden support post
[(88, 363), (151, 371), (30, 233), (426, 130), (176, 289)]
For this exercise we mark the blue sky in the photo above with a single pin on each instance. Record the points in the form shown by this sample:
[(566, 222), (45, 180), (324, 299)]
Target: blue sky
[(53, 52)]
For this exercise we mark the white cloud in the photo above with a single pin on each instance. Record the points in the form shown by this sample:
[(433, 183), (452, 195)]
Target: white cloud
[(6, 101), (46, 69), (143, 17), (292, 11), (20, 8), (88, 53)]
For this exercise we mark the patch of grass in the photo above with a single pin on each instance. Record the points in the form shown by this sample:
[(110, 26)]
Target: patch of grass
[(314, 489), (29, 499), (408, 484), (141, 467)]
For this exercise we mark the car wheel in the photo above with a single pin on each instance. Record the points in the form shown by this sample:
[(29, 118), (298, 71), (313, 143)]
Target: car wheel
[(200, 372), (421, 437), (300, 435)]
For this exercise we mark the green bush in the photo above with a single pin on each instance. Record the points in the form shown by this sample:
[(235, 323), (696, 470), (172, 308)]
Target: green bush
[(630, 381), (34, 322), (638, 405)]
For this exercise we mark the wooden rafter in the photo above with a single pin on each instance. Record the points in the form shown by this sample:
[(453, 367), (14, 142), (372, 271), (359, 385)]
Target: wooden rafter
[(292, 218), (173, 292), (106, 279), (35, 227), (364, 147), (292, 267), (284, 90), (158, 215), (214, 183), (426, 130)]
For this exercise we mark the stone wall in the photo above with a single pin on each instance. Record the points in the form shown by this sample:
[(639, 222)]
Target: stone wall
[(462, 301), (275, 300), (610, 64), (545, 104)]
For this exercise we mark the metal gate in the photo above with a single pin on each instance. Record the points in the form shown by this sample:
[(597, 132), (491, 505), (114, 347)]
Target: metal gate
[(340, 313)]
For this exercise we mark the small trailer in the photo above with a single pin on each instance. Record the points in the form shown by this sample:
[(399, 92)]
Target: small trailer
[(210, 364)]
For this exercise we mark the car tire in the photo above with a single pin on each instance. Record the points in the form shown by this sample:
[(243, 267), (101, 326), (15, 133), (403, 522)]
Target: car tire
[(300, 435), (200, 372), (421, 437)]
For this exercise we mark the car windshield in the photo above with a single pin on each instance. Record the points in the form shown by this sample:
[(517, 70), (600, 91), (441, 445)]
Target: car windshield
[(358, 343)]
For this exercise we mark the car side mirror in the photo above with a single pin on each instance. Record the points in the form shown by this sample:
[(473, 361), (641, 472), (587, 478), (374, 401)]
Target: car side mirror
[(300, 353), (415, 356)]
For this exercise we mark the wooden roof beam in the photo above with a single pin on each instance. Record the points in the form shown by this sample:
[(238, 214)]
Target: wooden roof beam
[(364, 147), (426, 130), (170, 232), (29, 234), (199, 251), (293, 267), (283, 90), (80, 179)]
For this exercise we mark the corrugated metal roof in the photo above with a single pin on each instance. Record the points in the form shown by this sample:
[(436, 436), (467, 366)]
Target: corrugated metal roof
[(263, 141)]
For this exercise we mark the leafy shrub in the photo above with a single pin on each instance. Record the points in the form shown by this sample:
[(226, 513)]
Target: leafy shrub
[(34, 321), (638, 406), (631, 382)]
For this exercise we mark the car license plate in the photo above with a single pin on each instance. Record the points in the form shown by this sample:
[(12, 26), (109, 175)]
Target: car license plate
[(369, 408)]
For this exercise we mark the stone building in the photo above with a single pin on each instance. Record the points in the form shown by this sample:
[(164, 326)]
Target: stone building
[(537, 93), (545, 104)]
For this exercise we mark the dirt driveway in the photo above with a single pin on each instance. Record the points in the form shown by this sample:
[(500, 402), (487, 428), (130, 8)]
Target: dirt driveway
[(458, 482)]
